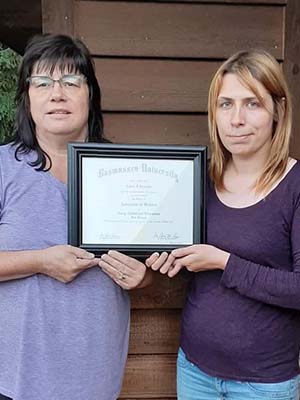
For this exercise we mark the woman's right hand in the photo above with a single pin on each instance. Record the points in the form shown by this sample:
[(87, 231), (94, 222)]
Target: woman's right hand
[(65, 262)]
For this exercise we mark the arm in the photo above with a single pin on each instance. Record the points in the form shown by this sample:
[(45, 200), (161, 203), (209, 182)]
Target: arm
[(18, 264), (268, 285), (262, 283), (62, 262), (259, 282)]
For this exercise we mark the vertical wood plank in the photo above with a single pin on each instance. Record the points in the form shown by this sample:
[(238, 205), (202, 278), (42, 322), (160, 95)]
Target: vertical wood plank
[(291, 67), (58, 16)]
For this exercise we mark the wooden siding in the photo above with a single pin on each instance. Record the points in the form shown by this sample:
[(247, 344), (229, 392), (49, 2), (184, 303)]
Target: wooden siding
[(155, 331), (154, 85), (19, 20), (58, 16), (154, 61), (291, 67), (164, 293), (151, 128), (177, 30), (150, 376)]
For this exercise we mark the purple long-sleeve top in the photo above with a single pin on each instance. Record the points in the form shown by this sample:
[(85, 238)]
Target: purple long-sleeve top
[(243, 323)]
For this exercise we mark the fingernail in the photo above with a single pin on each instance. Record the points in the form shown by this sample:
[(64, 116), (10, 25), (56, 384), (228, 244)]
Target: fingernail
[(90, 255)]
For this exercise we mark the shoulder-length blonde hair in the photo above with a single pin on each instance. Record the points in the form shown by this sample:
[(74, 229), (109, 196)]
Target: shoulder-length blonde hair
[(249, 67)]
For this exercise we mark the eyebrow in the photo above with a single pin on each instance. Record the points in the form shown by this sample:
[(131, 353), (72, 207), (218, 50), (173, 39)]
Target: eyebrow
[(48, 76), (230, 98)]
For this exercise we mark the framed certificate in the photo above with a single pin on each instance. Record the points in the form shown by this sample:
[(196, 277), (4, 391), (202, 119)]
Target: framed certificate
[(136, 199)]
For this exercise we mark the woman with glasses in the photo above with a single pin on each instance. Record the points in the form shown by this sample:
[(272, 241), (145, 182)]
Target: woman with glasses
[(240, 331), (64, 320)]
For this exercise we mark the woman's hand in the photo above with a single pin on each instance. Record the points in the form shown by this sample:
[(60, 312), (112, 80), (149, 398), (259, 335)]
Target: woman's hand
[(65, 262), (196, 258), (160, 262), (126, 271)]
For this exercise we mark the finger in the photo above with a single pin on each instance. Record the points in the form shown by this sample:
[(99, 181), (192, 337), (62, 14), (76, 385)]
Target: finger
[(176, 267), (81, 253), (122, 284), (167, 265), (184, 251), (111, 271), (160, 261), (116, 276), (84, 263), (94, 261), (151, 260), (114, 263), (105, 264), (124, 261)]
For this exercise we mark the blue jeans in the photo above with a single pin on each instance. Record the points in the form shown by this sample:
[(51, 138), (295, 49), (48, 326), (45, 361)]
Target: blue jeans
[(193, 384)]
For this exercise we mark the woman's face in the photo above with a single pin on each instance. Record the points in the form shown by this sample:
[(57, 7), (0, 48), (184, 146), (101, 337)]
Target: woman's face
[(244, 124), (60, 109)]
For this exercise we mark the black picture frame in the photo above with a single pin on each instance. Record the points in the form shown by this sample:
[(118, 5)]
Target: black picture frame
[(77, 152)]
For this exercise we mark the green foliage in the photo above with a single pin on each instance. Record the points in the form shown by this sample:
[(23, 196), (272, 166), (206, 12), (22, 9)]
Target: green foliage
[(9, 62)]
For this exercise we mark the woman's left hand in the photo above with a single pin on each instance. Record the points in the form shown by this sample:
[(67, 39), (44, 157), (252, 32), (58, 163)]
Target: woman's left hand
[(196, 258), (126, 271)]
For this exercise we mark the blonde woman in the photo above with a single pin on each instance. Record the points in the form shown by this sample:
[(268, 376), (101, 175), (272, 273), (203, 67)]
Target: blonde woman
[(240, 333)]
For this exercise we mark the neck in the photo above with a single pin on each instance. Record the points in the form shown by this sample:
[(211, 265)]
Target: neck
[(249, 165), (56, 145), (242, 173), (242, 166)]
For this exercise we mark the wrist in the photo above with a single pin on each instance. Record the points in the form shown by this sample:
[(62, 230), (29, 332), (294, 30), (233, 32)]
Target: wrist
[(147, 279), (224, 257), (38, 261)]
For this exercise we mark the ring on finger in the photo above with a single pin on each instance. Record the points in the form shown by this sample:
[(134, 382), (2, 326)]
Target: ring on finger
[(121, 276)]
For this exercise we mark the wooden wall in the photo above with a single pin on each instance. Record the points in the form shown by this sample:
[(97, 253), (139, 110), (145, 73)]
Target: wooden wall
[(19, 20), (154, 62)]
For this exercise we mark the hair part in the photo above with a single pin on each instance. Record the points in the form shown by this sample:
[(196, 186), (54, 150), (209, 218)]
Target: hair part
[(251, 67), (46, 53)]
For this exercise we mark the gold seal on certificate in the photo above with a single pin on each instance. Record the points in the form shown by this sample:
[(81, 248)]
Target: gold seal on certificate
[(135, 198)]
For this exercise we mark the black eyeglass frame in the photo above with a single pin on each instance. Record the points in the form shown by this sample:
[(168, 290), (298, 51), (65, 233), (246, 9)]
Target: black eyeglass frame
[(60, 80)]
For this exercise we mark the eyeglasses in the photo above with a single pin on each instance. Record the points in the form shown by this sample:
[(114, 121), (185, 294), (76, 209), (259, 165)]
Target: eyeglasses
[(67, 82)]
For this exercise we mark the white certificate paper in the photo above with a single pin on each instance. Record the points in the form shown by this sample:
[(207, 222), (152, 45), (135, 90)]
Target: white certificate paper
[(137, 201)]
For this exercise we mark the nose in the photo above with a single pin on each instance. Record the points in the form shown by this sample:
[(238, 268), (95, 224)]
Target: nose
[(238, 116), (57, 92)]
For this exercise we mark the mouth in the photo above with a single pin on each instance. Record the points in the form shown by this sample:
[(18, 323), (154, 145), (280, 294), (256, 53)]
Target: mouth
[(239, 136), (58, 112)]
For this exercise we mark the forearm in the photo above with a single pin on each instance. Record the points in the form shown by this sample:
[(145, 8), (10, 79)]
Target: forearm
[(19, 264), (268, 285)]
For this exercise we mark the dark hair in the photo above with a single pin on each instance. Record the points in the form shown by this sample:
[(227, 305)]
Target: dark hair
[(50, 52)]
